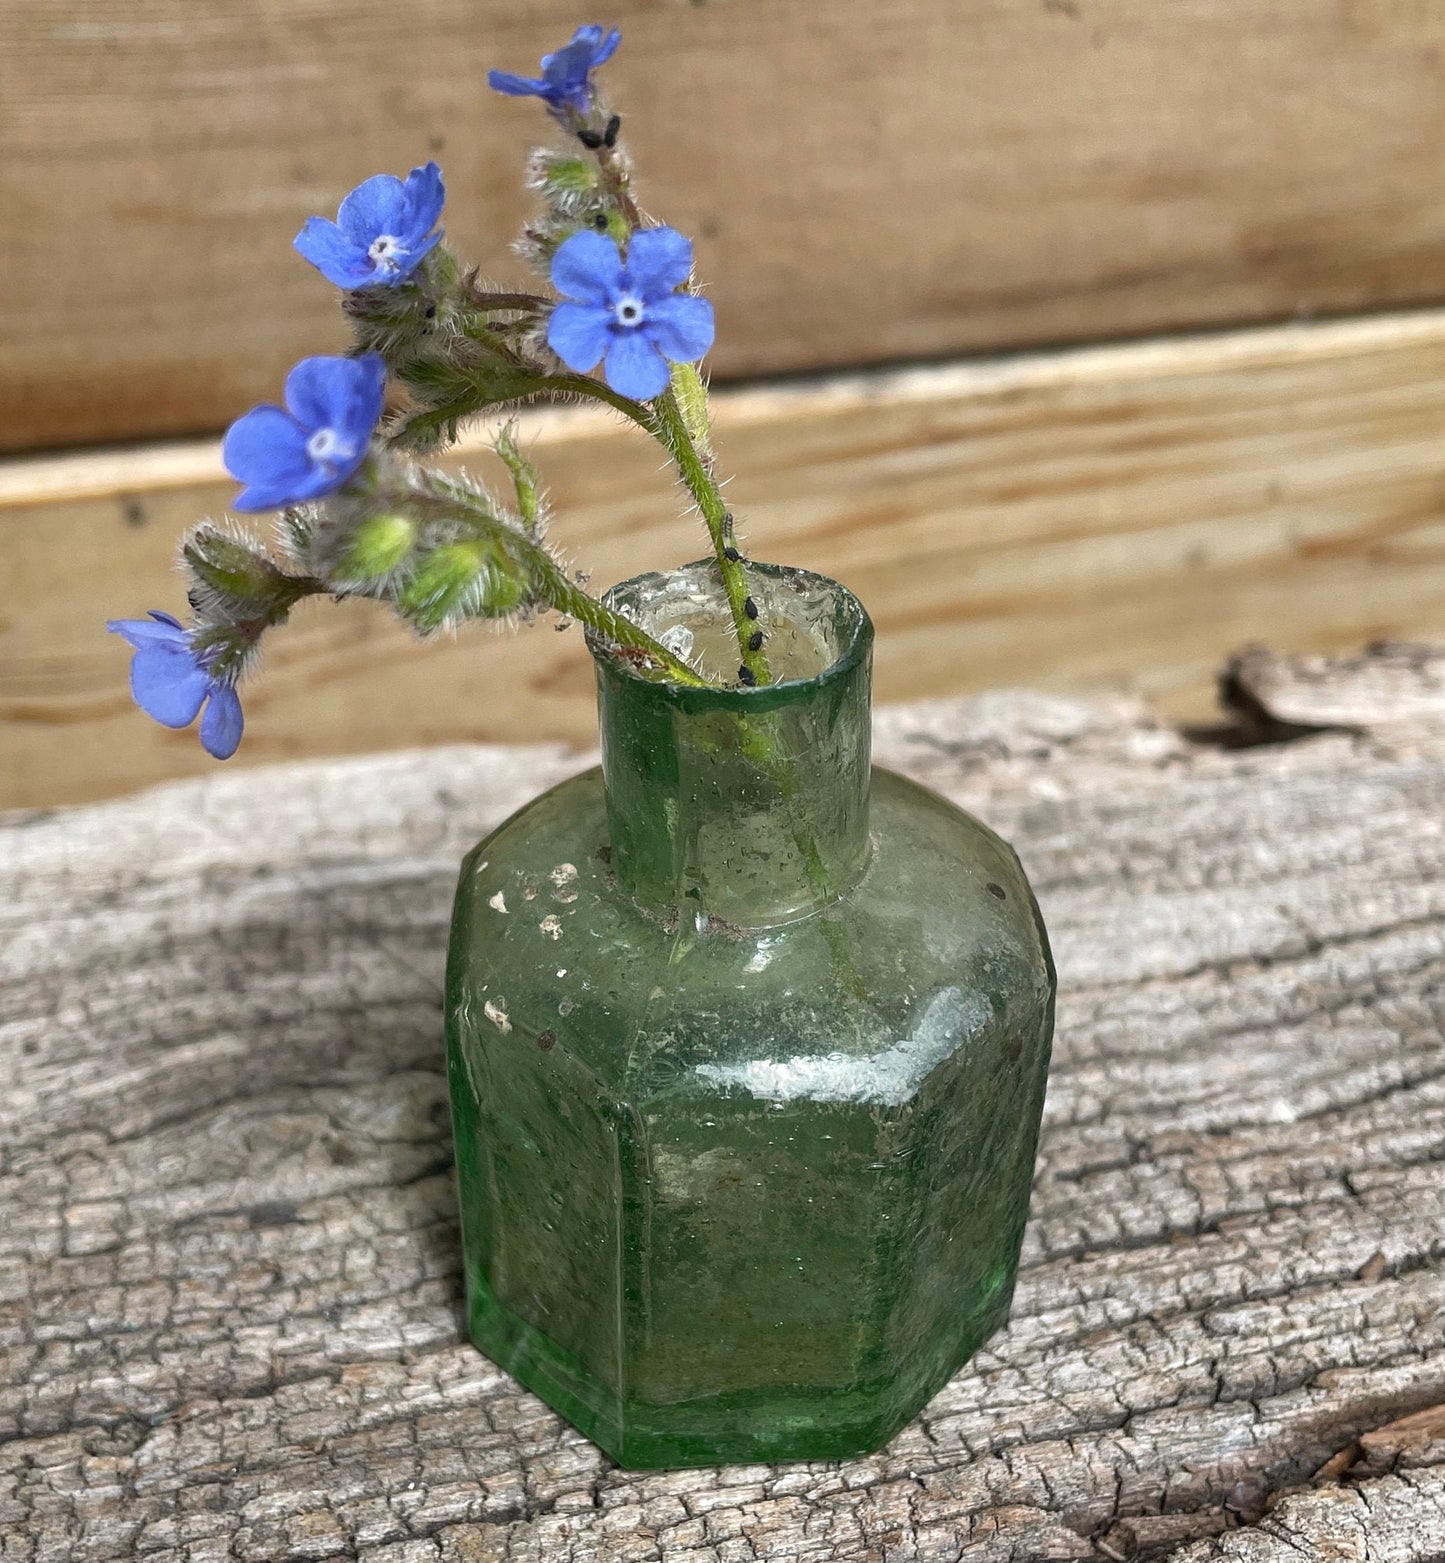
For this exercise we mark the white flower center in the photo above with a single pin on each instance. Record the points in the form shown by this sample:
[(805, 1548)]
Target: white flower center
[(628, 310), (326, 446), (385, 252)]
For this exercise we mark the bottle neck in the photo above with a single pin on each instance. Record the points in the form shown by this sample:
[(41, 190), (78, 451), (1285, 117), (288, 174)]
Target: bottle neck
[(742, 808)]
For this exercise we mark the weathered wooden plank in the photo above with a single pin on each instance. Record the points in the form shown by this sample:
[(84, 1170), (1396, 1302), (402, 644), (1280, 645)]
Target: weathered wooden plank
[(229, 1274), (905, 179), (1399, 1517), (1106, 517)]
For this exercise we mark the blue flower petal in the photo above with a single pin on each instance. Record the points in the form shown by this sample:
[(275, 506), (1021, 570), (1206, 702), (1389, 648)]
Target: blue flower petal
[(681, 326), (376, 206), (263, 445), (426, 194), (158, 630), (419, 252), (587, 267), (566, 68), (365, 396), (317, 391), (569, 68), (344, 394), (635, 367), (658, 260), (268, 448), (579, 334), (168, 684), (223, 723), (343, 263), (515, 86), (566, 74), (277, 493), (382, 205), (606, 48)]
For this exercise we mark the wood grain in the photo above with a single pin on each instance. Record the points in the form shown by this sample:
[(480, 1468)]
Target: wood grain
[(1102, 518), (229, 1272), (907, 179)]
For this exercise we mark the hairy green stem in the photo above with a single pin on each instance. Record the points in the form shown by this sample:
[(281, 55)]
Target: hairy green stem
[(474, 400), (568, 598), (600, 391), (671, 429), (558, 590), (664, 421), (483, 300), (615, 182), (231, 645)]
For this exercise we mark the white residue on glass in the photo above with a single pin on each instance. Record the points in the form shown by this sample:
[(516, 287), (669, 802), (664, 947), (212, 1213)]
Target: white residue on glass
[(887, 1078)]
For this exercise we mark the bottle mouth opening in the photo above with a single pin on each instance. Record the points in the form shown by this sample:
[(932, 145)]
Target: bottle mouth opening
[(814, 631)]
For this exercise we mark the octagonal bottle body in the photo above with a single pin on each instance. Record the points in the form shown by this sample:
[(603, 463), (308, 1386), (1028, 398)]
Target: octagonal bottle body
[(748, 1044)]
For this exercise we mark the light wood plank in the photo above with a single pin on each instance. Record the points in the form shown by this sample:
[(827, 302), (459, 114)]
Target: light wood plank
[(1101, 518), (905, 179)]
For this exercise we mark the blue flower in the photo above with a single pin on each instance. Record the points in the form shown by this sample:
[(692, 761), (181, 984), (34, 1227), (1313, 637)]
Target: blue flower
[(312, 445), (170, 682), (566, 80), (628, 311), (381, 233)]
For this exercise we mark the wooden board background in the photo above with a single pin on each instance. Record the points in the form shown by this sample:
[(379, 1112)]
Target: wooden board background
[(1117, 516), (906, 179)]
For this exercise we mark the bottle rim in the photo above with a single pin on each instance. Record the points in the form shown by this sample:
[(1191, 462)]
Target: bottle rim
[(854, 637)]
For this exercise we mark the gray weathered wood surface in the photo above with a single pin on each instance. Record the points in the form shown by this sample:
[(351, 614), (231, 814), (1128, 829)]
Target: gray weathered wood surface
[(229, 1277)]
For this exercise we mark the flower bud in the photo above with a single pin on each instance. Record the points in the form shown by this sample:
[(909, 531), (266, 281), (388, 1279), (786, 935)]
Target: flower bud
[(470, 579), (564, 180), (376, 548), (440, 584), (441, 270), (542, 239), (503, 591)]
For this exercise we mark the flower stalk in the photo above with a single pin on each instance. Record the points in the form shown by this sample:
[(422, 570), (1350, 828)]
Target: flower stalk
[(552, 586), (696, 472), (616, 181), (361, 516)]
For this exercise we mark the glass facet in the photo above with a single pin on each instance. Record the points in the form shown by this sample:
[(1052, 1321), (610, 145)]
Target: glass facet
[(748, 1045)]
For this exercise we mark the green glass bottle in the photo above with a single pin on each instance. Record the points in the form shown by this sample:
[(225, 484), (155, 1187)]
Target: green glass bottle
[(748, 1045)]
